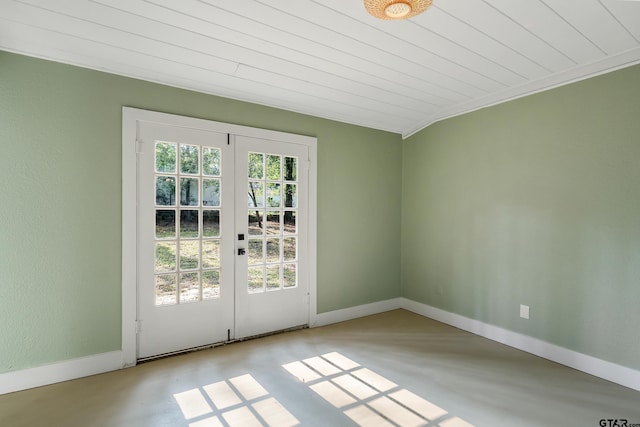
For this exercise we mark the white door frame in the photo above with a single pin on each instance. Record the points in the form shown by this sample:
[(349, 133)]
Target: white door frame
[(130, 119)]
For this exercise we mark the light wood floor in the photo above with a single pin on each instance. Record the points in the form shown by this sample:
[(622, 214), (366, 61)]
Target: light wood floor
[(395, 368)]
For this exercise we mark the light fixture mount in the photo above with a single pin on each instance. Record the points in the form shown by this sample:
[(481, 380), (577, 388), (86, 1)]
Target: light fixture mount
[(396, 9)]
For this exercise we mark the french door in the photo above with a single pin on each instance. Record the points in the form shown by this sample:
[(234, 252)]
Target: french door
[(223, 237)]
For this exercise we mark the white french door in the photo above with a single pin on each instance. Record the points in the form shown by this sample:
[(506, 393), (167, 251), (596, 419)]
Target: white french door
[(222, 243), (271, 232)]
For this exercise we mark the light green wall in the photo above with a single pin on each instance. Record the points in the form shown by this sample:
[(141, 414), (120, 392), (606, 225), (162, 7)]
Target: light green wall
[(60, 209), (536, 202)]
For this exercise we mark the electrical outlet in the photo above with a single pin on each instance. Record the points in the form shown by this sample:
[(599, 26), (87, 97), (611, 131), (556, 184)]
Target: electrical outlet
[(524, 311)]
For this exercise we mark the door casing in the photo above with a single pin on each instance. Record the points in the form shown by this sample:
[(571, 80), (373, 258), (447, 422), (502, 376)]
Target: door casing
[(131, 117)]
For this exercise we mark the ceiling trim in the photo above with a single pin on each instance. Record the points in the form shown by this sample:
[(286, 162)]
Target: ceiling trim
[(593, 69)]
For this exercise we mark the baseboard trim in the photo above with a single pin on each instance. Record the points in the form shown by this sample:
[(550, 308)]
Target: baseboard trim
[(100, 363), (61, 371), (336, 316), (591, 365)]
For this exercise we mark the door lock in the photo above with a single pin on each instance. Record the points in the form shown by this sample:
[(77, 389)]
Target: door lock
[(241, 251)]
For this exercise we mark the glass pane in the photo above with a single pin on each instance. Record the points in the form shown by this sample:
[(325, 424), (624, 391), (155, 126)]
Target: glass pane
[(211, 253), (211, 223), (290, 168), (189, 224), (189, 191), (273, 277), (211, 284), (255, 276), (274, 167), (255, 195), (289, 222), (165, 224), (273, 250), (189, 254), (254, 250), (290, 248), (166, 289), (210, 161), (211, 192), (165, 191), (165, 257), (273, 195), (189, 159), (290, 196), (289, 275), (165, 157), (256, 226), (273, 222), (256, 165), (189, 287)]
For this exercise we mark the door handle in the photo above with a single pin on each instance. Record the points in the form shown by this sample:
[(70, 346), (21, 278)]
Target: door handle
[(241, 251)]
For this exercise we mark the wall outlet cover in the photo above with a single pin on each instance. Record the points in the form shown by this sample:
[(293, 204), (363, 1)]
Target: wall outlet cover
[(524, 311)]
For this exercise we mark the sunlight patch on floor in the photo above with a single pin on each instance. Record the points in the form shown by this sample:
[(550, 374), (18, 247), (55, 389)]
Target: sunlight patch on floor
[(367, 398), (237, 402)]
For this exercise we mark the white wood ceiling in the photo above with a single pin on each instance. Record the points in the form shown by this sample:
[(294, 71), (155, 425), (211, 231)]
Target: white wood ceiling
[(331, 59)]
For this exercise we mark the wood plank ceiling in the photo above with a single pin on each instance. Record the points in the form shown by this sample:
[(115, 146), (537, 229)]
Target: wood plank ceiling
[(330, 58)]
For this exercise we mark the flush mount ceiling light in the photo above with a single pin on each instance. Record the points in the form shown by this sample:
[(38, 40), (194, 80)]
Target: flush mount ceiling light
[(396, 9)]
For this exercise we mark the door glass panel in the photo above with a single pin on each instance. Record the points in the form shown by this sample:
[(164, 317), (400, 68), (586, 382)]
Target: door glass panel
[(274, 167), (165, 224), (290, 222), (290, 196), (256, 194), (166, 289), (277, 192), (254, 250), (273, 195), (189, 159), (187, 240), (165, 257), (210, 284), (189, 254), (290, 278), (273, 277), (165, 191), (290, 248), (211, 253), (273, 222), (210, 161), (189, 287), (211, 223), (256, 165), (255, 279), (165, 157), (256, 226), (211, 192), (290, 169), (189, 191), (273, 250), (189, 224)]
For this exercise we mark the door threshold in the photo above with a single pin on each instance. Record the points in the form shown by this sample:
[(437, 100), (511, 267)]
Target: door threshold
[(218, 344)]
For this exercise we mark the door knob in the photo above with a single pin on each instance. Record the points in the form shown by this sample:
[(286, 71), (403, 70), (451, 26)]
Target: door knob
[(241, 251)]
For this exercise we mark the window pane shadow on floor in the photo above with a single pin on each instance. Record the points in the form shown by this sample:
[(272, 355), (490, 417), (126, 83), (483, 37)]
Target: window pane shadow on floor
[(366, 397)]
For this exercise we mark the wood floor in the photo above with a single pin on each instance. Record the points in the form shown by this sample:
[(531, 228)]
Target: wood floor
[(395, 368)]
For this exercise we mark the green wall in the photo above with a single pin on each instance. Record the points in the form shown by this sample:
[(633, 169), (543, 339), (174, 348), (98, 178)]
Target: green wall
[(536, 202), (60, 168), (531, 202)]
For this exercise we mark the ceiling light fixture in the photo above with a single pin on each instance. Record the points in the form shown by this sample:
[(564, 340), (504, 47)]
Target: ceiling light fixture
[(396, 9)]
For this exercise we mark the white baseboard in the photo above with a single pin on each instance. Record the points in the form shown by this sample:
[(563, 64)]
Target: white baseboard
[(336, 316), (600, 368), (59, 372), (105, 362)]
